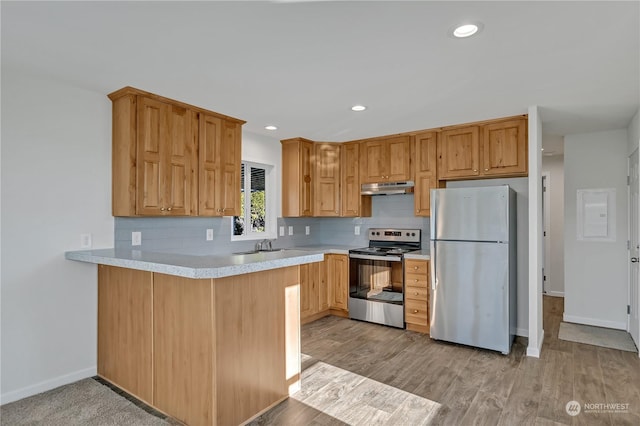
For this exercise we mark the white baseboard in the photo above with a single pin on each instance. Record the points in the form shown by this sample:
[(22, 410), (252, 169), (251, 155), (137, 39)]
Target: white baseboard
[(535, 351), (15, 395), (524, 332), (594, 321), (554, 293)]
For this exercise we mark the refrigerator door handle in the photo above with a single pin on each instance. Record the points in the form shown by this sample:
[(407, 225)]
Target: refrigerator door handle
[(434, 279)]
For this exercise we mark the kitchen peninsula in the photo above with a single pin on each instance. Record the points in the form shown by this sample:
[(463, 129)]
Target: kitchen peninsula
[(208, 340)]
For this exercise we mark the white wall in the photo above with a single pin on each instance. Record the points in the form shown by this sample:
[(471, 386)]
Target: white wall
[(520, 186), (56, 184), (596, 272), (554, 166), (633, 132)]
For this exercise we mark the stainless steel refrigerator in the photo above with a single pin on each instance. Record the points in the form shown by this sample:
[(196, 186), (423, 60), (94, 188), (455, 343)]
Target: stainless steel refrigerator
[(473, 258)]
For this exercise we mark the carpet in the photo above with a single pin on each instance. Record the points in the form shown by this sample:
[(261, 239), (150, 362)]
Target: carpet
[(85, 402), (597, 336)]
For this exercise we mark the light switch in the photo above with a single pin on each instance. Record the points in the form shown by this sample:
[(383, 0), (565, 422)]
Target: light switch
[(291, 230)]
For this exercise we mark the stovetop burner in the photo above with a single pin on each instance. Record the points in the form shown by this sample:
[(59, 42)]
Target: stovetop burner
[(388, 242)]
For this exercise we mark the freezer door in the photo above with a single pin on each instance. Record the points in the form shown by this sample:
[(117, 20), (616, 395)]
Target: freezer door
[(470, 289), (470, 214)]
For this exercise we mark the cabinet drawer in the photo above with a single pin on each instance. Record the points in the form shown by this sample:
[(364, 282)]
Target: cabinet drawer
[(416, 293), (414, 266), (416, 280), (415, 312)]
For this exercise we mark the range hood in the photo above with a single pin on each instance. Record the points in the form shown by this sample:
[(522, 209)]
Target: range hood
[(387, 188)]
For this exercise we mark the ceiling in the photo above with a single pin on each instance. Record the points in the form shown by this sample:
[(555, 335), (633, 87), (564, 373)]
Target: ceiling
[(301, 65)]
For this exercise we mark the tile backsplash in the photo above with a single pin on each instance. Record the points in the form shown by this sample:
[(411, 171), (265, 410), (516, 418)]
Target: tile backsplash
[(188, 234)]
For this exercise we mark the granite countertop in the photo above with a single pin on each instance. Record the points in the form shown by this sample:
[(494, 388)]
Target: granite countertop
[(197, 266)]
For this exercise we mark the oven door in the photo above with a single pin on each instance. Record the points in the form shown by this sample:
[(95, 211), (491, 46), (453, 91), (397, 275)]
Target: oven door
[(376, 278)]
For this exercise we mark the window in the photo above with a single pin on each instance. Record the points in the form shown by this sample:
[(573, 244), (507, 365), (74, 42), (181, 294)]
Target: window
[(256, 219)]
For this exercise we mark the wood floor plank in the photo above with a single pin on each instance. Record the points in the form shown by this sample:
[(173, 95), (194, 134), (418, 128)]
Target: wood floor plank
[(588, 384), (522, 404), (557, 387), (621, 385), (485, 409)]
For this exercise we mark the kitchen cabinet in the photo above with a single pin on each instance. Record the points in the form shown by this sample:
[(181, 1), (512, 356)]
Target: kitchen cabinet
[(327, 180), (424, 153), (125, 331), (156, 167), (416, 295), (219, 166), (338, 281), (314, 292), (385, 160), (298, 158), (352, 202), (187, 347), (492, 149)]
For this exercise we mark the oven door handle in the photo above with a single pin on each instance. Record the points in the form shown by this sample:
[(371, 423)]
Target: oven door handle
[(383, 258)]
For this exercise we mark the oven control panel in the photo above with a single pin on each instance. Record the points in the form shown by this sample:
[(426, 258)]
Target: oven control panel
[(399, 235)]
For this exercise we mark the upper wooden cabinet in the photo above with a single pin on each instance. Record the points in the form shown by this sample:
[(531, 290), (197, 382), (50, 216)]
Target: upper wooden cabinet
[(424, 153), (156, 168), (219, 167), (352, 202), (385, 160), (493, 149), (327, 179), (298, 158)]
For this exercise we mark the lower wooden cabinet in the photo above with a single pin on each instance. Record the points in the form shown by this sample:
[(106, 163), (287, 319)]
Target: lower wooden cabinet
[(206, 352), (338, 281), (416, 295)]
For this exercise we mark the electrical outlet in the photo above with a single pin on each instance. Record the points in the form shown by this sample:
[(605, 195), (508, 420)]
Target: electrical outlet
[(136, 238), (307, 230), (209, 234), (85, 241), (356, 230), (291, 230), (281, 233)]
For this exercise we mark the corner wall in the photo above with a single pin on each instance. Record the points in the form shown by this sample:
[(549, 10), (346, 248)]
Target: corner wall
[(56, 184), (596, 284)]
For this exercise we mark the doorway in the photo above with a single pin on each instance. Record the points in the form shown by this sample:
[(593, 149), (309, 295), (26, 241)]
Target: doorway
[(634, 245)]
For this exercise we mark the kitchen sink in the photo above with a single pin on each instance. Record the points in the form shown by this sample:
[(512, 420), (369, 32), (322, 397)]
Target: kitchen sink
[(259, 251)]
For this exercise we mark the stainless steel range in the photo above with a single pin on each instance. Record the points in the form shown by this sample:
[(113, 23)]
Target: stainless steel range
[(376, 276)]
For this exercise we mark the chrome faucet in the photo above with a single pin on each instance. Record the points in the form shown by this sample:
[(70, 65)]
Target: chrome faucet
[(264, 245)]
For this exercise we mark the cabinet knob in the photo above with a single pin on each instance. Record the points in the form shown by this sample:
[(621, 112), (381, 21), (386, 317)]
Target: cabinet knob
[(416, 293), (416, 280), (475, 170), (415, 311), (486, 170), (415, 267), (161, 209), (169, 209)]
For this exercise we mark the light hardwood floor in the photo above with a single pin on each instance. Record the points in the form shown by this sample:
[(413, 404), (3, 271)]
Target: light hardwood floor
[(361, 374)]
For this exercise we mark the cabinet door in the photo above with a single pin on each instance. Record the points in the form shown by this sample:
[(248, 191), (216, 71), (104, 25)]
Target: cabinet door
[(374, 161), (210, 146), (353, 204), (399, 159), (125, 329), (306, 173), (327, 179), (179, 154), (163, 159), (307, 291), (323, 286), (458, 153), (230, 164), (152, 135), (504, 148), (338, 280), (425, 159)]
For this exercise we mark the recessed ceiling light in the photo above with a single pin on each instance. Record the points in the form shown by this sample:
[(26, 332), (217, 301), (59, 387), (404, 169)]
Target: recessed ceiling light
[(270, 127), (466, 30), (358, 108)]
